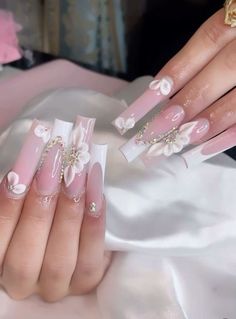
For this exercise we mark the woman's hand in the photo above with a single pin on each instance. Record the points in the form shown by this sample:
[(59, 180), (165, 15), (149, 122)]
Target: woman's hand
[(200, 80), (52, 239)]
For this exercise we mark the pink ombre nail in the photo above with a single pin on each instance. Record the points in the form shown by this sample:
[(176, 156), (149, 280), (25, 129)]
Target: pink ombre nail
[(50, 172), (95, 183), (20, 177), (167, 120), (78, 157), (211, 148), (159, 90)]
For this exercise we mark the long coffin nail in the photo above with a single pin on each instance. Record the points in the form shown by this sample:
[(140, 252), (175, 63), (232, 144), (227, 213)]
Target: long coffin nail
[(166, 121), (159, 90), (77, 158), (211, 148), (95, 183), (20, 177), (51, 169)]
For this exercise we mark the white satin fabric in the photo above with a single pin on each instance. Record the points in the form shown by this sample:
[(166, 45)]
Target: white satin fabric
[(174, 230)]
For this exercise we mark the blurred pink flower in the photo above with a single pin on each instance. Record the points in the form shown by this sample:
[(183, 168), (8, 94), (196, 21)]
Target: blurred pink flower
[(9, 48)]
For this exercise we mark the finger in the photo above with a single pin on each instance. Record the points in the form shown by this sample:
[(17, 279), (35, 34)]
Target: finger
[(205, 88), (210, 38), (221, 115), (62, 249), (90, 265), (24, 256), (15, 185)]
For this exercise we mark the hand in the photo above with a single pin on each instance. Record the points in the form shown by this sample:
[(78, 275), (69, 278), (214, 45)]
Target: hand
[(201, 80), (52, 237)]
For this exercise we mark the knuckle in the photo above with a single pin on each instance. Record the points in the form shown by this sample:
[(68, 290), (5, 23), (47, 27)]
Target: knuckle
[(212, 33), (50, 298), (230, 56), (22, 272), (54, 272), (88, 269)]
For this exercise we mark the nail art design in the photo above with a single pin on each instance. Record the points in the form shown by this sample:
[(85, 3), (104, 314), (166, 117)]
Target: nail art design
[(177, 139), (77, 158), (50, 172), (158, 90), (211, 148), (153, 132), (162, 86), (94, 197), (78, 155), (13, 183), (124, 124), (22, 172), (42, 132)]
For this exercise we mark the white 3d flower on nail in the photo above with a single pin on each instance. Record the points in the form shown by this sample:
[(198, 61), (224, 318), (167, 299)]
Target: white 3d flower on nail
[(162, 86), (125, 124), (13, 183), (174, 142), (42, 132), (78, 155)]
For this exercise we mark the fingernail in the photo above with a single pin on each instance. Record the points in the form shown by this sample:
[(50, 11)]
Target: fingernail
[(78, 157), (211, 148), (20, 177), (95, 183), (51, 169), (166, 121), (179, 138), (159, 89)]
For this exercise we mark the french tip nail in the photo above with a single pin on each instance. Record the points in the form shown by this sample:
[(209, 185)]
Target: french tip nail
[(131, 150), (98, 153), (63, 129)]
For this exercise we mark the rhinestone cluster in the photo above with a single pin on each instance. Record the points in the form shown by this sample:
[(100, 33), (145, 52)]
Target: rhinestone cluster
[(169, 137), (55, 141), (92, 207)]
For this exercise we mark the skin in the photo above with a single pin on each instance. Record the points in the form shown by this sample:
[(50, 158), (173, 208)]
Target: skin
[(204, 74), (55, 249)]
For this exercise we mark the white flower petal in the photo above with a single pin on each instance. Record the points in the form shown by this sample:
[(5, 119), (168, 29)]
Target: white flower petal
[(84, 157), (156, 149), (12, 178), (120, 123), (155, 85), (166, 85), (129, 123), (177, 147), (69, 175), (39, 130), (83, 148), (79, 166), (19, 189), (168, 150), (187, 128), (183, 140)]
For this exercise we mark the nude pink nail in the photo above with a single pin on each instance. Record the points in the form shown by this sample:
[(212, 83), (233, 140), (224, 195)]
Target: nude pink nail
[(20, 177), (78, 157), (211, 148), (50, 172), (159, 90), (95, 183), (167, 120)]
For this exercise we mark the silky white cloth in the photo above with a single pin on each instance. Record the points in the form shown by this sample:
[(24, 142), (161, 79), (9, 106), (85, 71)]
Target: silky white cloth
[(173, 230)]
